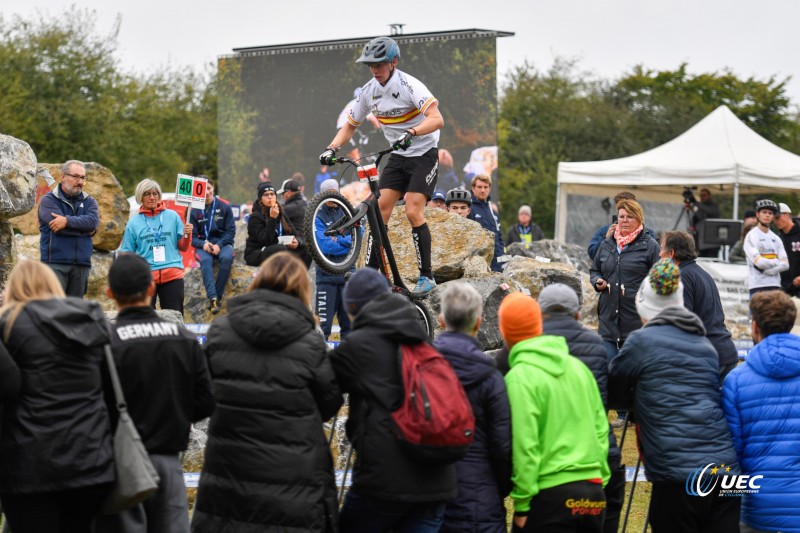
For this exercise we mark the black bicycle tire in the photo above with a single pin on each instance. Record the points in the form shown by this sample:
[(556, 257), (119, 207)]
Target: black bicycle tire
[(308, 229), (426, 317)]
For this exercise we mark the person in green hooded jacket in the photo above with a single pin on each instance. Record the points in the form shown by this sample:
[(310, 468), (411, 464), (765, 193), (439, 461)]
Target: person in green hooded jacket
[(558, 424)]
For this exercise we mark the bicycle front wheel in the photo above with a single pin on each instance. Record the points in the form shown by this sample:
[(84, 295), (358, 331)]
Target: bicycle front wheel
[(425, 317), (334, 250)]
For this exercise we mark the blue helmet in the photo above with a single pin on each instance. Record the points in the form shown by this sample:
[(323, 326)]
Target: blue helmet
[(379, 50)]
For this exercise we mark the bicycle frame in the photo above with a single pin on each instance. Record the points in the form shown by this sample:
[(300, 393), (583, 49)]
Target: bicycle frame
[(378, 234)]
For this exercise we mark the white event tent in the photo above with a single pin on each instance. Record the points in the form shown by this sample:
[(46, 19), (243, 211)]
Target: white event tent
[(719, 152)]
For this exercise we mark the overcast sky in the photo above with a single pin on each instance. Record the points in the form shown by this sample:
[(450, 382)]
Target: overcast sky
[(607, 37)]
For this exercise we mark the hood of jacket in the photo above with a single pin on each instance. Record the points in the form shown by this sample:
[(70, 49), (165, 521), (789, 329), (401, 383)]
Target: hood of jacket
[(546, 352), (680, 317), (268, 318), (464, 354), (73, 320), (394, 316), (777, 356), (159, 208)]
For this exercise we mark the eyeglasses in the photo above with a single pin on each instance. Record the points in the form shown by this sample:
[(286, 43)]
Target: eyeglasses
[(76, 176), (150, 193)]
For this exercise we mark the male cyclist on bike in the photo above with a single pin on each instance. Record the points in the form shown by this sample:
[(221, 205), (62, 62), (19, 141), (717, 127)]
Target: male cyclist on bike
[(406, 109)]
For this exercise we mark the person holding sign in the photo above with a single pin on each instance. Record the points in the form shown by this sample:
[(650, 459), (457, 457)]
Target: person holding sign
[(269, 230), (159, 235), (214, 231)]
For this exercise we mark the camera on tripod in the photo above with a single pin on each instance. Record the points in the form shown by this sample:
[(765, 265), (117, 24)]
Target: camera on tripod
[(688, 196)]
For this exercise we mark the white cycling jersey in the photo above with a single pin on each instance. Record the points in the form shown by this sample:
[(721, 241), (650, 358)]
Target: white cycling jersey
[(766, 258), (399, 105)]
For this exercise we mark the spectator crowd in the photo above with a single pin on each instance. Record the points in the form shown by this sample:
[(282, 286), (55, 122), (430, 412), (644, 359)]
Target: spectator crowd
[(719, 438)]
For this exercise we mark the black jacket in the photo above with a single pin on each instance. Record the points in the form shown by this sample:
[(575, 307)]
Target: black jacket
[(484, 475), (701, 296), (367, 365), (263, 232), (791, 242), (616, 308), (668, 373), (57, 435), (267, 463), (164, 378), (295, 209), (514, 233)]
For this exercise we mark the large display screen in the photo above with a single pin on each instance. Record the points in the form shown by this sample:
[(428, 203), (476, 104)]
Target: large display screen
[(279, 106)]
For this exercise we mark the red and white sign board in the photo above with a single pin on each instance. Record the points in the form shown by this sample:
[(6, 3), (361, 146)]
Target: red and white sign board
[(191, 191)]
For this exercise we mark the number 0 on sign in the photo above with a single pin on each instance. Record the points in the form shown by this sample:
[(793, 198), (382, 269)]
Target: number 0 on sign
[(190, 190)]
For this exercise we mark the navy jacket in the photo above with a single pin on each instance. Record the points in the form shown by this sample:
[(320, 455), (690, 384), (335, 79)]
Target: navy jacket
[(484, 475), (762, 405), (668, 373), (219, 229), (481, 212), (616, 308), (701, 297), (73, 244)]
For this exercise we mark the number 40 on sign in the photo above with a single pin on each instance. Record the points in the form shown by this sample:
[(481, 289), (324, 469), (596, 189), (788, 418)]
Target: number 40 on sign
[(190, 190)]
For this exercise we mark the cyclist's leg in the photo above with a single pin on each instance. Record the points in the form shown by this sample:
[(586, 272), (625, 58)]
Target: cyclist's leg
[(420, 233), (423, 172)]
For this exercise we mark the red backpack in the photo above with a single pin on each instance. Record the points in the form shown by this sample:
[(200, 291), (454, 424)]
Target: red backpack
[(434, 421)]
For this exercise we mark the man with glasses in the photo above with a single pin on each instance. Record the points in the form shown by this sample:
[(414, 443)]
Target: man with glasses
[(68, 218)]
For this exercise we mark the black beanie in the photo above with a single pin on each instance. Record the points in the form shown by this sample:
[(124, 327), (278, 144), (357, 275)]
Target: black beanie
[(362, 287), (129, 274)]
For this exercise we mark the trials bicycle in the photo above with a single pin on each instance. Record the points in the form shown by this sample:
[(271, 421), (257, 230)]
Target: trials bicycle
[(346, 227)]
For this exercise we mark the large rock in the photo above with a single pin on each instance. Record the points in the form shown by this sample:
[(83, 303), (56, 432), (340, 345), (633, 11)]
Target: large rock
[(455, 241), (195, 302), (571, 254), (17, 177), (8, 252), (112, 204)]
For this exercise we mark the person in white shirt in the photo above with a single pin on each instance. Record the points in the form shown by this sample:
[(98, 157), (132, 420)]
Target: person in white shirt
[(407, 111), (766, 256)]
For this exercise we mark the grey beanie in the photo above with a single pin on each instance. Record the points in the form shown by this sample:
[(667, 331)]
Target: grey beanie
[(559, 298)]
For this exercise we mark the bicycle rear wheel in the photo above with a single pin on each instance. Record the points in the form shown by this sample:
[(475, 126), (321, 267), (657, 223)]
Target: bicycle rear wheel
[(338, 251), (425, 317)]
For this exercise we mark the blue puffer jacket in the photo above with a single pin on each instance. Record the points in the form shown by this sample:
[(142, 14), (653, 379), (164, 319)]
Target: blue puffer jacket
[(484, 475), (761, 399), (668, 372)]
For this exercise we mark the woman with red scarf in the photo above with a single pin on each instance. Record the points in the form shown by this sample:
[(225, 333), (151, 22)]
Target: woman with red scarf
[(621, 263)]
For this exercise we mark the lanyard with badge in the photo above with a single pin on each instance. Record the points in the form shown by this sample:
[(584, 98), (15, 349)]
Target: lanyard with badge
[(159, 251)]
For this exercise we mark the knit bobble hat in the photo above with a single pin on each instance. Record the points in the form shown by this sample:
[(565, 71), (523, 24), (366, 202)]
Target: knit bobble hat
[(263, 187), (362, 287), (520, 318), (661, 288)]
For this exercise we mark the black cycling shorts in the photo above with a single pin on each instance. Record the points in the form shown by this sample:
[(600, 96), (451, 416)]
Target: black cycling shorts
[(412, 174)]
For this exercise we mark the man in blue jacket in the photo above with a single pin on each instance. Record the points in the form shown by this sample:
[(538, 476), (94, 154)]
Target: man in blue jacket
[(482, 213), (330, 287), (212, 238), (761, 399), (68, 218)]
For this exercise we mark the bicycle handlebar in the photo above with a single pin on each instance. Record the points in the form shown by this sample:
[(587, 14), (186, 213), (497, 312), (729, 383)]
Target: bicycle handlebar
[(356, 162)]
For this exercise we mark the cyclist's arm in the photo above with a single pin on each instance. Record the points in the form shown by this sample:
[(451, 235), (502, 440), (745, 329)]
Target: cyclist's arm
[(433, 121), (343, 136)]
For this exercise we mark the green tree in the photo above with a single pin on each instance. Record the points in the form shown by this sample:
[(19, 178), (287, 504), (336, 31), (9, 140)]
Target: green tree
[(65, 93)]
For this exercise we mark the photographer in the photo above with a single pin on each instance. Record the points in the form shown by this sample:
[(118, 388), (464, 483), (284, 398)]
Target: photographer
[(704, 209)]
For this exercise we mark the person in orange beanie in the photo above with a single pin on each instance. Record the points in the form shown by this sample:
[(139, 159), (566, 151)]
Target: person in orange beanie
[(559, 428)]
